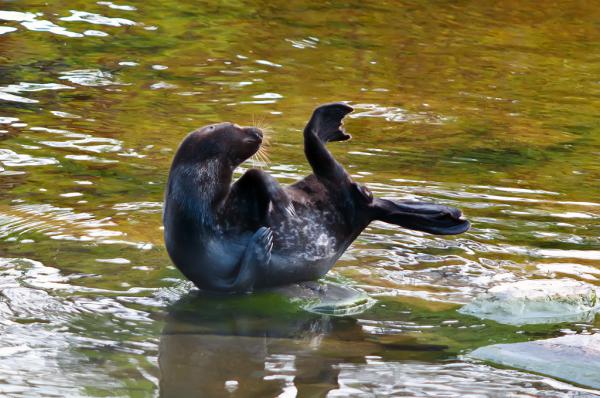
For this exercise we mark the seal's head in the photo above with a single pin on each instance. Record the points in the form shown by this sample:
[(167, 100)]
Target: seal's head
[(227, 143)]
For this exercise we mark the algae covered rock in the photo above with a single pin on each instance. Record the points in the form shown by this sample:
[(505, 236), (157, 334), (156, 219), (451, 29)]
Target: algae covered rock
[(537, 301), (327, 298), (574, 358)]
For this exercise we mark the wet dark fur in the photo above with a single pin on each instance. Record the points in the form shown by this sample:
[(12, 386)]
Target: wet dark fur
[(255, 233)]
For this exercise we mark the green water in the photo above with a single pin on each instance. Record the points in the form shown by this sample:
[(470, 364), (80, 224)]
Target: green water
[(490, 108)]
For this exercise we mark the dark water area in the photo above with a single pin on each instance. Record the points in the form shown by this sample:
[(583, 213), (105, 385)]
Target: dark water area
[(492, 108)]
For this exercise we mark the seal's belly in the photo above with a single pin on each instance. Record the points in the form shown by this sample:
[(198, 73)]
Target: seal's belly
[(313, 235)]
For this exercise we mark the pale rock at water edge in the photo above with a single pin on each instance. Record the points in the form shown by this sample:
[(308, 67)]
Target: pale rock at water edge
[(537, 301), (573, 358)]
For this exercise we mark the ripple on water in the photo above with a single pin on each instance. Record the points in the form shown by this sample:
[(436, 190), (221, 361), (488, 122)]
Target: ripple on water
[(139, 207), (309, 42), (97, 33), (106, 144), (18, 16), (89, 77), (30, 21), (40, 355), (79, 142), (8, 120), (65, 115), (47, 26), (23, 86), (96, 19), (268, 63), (13, 159), (16, 98), (454, 379), (396, 114), (572, 269), (9, 92), (162, 86), (6, 29), (114, 6), (55, 222)]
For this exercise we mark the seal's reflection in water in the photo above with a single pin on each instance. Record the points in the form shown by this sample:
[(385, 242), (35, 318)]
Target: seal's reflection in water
[(258, 345), (265, 345)]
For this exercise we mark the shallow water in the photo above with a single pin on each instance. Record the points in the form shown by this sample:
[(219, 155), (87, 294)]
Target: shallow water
[(490, 108)]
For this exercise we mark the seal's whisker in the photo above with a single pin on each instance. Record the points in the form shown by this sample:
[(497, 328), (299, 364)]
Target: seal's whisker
[(256, 162), (264, 150), (267, 132), (264, 127), (262, 163), (260, 158), (255, 121), (262, 155)]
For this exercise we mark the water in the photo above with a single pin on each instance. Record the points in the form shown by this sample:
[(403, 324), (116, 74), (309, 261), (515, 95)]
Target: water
[(490, 108)]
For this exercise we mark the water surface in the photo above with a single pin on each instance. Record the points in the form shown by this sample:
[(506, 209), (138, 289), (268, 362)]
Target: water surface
[(490, 108)]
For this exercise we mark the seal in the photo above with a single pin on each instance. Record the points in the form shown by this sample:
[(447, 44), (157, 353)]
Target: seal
[(254, 233)]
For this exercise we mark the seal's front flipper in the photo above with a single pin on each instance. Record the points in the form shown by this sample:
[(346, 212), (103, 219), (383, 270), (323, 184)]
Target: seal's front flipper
[(421, 216), (325, 125), (326, 122), (260, 247), (256, 256), (253, 192)]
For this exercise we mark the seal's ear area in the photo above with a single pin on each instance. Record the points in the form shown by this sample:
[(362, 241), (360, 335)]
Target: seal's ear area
[(326, 122), (421, 216)]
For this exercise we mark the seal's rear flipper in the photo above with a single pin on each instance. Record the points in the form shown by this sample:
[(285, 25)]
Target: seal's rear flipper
[(421, 216), (326, 122)]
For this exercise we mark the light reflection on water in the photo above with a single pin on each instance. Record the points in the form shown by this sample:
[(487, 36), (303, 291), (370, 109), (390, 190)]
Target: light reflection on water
[(488, 108)]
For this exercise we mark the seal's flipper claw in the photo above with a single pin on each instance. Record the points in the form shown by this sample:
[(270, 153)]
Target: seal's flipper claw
[(290, 210), (261, 245), (327, 124), (282, 203)]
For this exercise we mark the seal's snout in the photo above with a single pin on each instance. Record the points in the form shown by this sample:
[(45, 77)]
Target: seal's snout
[(255, 133)]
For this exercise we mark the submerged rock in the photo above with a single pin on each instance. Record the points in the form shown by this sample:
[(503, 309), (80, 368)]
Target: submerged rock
[(327, 298), (574, 358), (537, 301)]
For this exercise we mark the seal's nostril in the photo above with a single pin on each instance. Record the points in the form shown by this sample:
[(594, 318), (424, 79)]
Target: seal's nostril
[(256, 132)]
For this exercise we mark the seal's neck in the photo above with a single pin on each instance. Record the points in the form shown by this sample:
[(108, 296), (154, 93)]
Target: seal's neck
[(212, 180), (202, 188)]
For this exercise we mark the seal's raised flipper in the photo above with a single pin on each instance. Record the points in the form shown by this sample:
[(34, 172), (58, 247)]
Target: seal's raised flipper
[(253, 192), (324, 126), (421, 216), (256, 256), (327, 122)]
